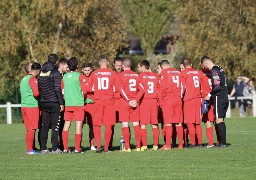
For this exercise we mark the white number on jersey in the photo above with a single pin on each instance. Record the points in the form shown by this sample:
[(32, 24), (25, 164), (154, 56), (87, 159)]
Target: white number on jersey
[(150, 87), (103, 83), (175, 79), (132, 85), (196, 81)]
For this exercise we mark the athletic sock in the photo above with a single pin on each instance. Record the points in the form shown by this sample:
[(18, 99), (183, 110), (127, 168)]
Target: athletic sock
[(174, 134), (209, 135), (179, 130), (199, 134), (155, 136), (137, 135), (30, 134), (65, 139), (222, 132), (164, 134), (126, 136), (185, 130), (107, 136), (78, 140), (192, 133), (168, 131), (144, 137), (217, 134), (97, 135)]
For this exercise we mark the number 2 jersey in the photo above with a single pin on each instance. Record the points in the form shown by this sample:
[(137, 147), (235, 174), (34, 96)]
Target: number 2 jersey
[(190, 81), (104, 83)]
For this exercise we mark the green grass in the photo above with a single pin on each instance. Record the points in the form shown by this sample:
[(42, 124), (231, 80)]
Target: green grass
[(238, 161)]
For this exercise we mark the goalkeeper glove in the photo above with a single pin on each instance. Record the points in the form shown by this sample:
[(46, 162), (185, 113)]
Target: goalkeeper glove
[(205, 106), (89, 101)]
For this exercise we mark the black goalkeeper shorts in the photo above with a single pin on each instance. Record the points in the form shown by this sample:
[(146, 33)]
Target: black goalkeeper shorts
[(220, 104)]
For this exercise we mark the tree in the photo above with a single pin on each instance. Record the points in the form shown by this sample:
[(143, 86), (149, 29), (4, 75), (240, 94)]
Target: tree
[(148, 20), (223, 30)]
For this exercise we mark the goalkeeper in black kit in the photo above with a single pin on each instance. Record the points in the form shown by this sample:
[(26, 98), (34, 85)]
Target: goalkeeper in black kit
[(219, 96)]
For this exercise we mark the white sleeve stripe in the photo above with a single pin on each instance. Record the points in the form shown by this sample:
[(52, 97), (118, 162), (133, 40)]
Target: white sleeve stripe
[(125, 95)]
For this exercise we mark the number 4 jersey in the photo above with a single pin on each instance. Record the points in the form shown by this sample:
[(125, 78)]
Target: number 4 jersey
[(190, 81)]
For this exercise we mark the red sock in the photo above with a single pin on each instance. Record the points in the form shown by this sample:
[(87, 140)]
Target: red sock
[(209, 135), (65, 139), (126, 136), (144, 137), (179, 130), (164, 134), (185, 130), (137, 135), (78, 140), (168, 132), (155, 136), (174, 134), (192, 133), (30, 134), (107, 136), (97, 135), (91, 136), (199, 134)]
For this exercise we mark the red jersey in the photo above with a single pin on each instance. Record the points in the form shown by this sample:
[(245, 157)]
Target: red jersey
[(86, 80), (170, 83), (205, 79), (129, 82), (104, 84), (191, 85), (149, 85)]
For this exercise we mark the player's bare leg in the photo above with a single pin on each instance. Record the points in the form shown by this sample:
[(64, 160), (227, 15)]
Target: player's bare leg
[(65, 135), (144, 136), (137, 134), (155, 136), (78, 136), (179, 130), (126, 135), (222, 131), (168, 137), (209, 133)]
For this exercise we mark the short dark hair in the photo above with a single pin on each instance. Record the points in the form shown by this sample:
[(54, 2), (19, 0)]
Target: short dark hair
[(72, 64), (204, 58), (27, 67), (85, 65), (53, 58), (118, 59), (186, 62), (164, 62), (35, 66), (63, 60), (104, 57), (145, 63)]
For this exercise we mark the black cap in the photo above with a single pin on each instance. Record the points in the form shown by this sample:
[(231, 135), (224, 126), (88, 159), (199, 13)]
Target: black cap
[(35, 66)]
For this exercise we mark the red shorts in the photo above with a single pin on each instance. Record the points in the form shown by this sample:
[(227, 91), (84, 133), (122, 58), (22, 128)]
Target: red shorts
[(30, 117), (172, 110), (192, 111), (74, 113), (148, 111), (88, 114), (127, 113), (210, 115), (104, 114)]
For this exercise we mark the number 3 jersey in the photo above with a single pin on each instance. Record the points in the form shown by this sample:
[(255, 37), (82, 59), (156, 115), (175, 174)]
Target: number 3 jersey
[(104, 83), (129, 82), (190, 84)]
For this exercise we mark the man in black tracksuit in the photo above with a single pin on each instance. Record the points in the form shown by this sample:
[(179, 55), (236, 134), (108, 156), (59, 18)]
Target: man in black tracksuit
[(219, 96), (51, 103)]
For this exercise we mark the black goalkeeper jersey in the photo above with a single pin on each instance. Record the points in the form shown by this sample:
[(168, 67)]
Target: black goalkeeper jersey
[(219, 82)]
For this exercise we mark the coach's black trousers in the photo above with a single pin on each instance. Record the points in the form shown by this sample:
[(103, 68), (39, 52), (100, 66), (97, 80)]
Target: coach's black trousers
[(50, 116)]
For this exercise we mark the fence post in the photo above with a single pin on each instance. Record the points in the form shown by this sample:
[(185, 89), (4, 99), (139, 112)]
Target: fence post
[(228, 113), (254, 105), (9, 113)]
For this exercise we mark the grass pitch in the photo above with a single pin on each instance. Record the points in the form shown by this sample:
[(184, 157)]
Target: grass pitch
[(238, 161)]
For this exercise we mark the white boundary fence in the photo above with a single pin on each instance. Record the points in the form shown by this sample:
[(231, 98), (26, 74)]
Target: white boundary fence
[(9, 107)]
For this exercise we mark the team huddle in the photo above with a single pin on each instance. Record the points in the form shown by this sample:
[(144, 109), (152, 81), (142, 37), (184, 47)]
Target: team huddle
[(178, 100)]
